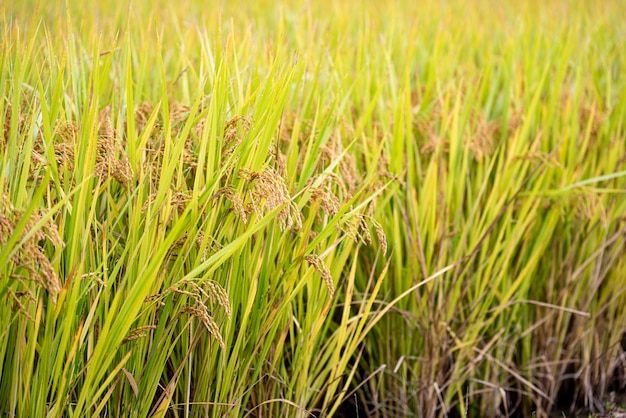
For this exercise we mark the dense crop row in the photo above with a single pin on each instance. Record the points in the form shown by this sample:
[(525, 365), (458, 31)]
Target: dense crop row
[(336, 207)]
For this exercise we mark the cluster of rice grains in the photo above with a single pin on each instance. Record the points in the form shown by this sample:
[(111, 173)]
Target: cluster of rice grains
[(29, 260)]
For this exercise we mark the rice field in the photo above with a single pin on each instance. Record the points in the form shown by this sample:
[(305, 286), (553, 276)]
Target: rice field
[(312, 209)]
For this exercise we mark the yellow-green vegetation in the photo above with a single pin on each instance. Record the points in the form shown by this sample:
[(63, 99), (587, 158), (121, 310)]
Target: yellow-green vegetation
[(311, 208)]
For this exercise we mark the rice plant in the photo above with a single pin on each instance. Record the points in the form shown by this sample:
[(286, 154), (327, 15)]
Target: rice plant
[(333, 208)]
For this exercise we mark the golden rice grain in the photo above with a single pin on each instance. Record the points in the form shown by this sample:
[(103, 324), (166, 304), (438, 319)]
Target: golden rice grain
[(270, 192), (137, 333), (30, 256), (321, 268), (200, 312)]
